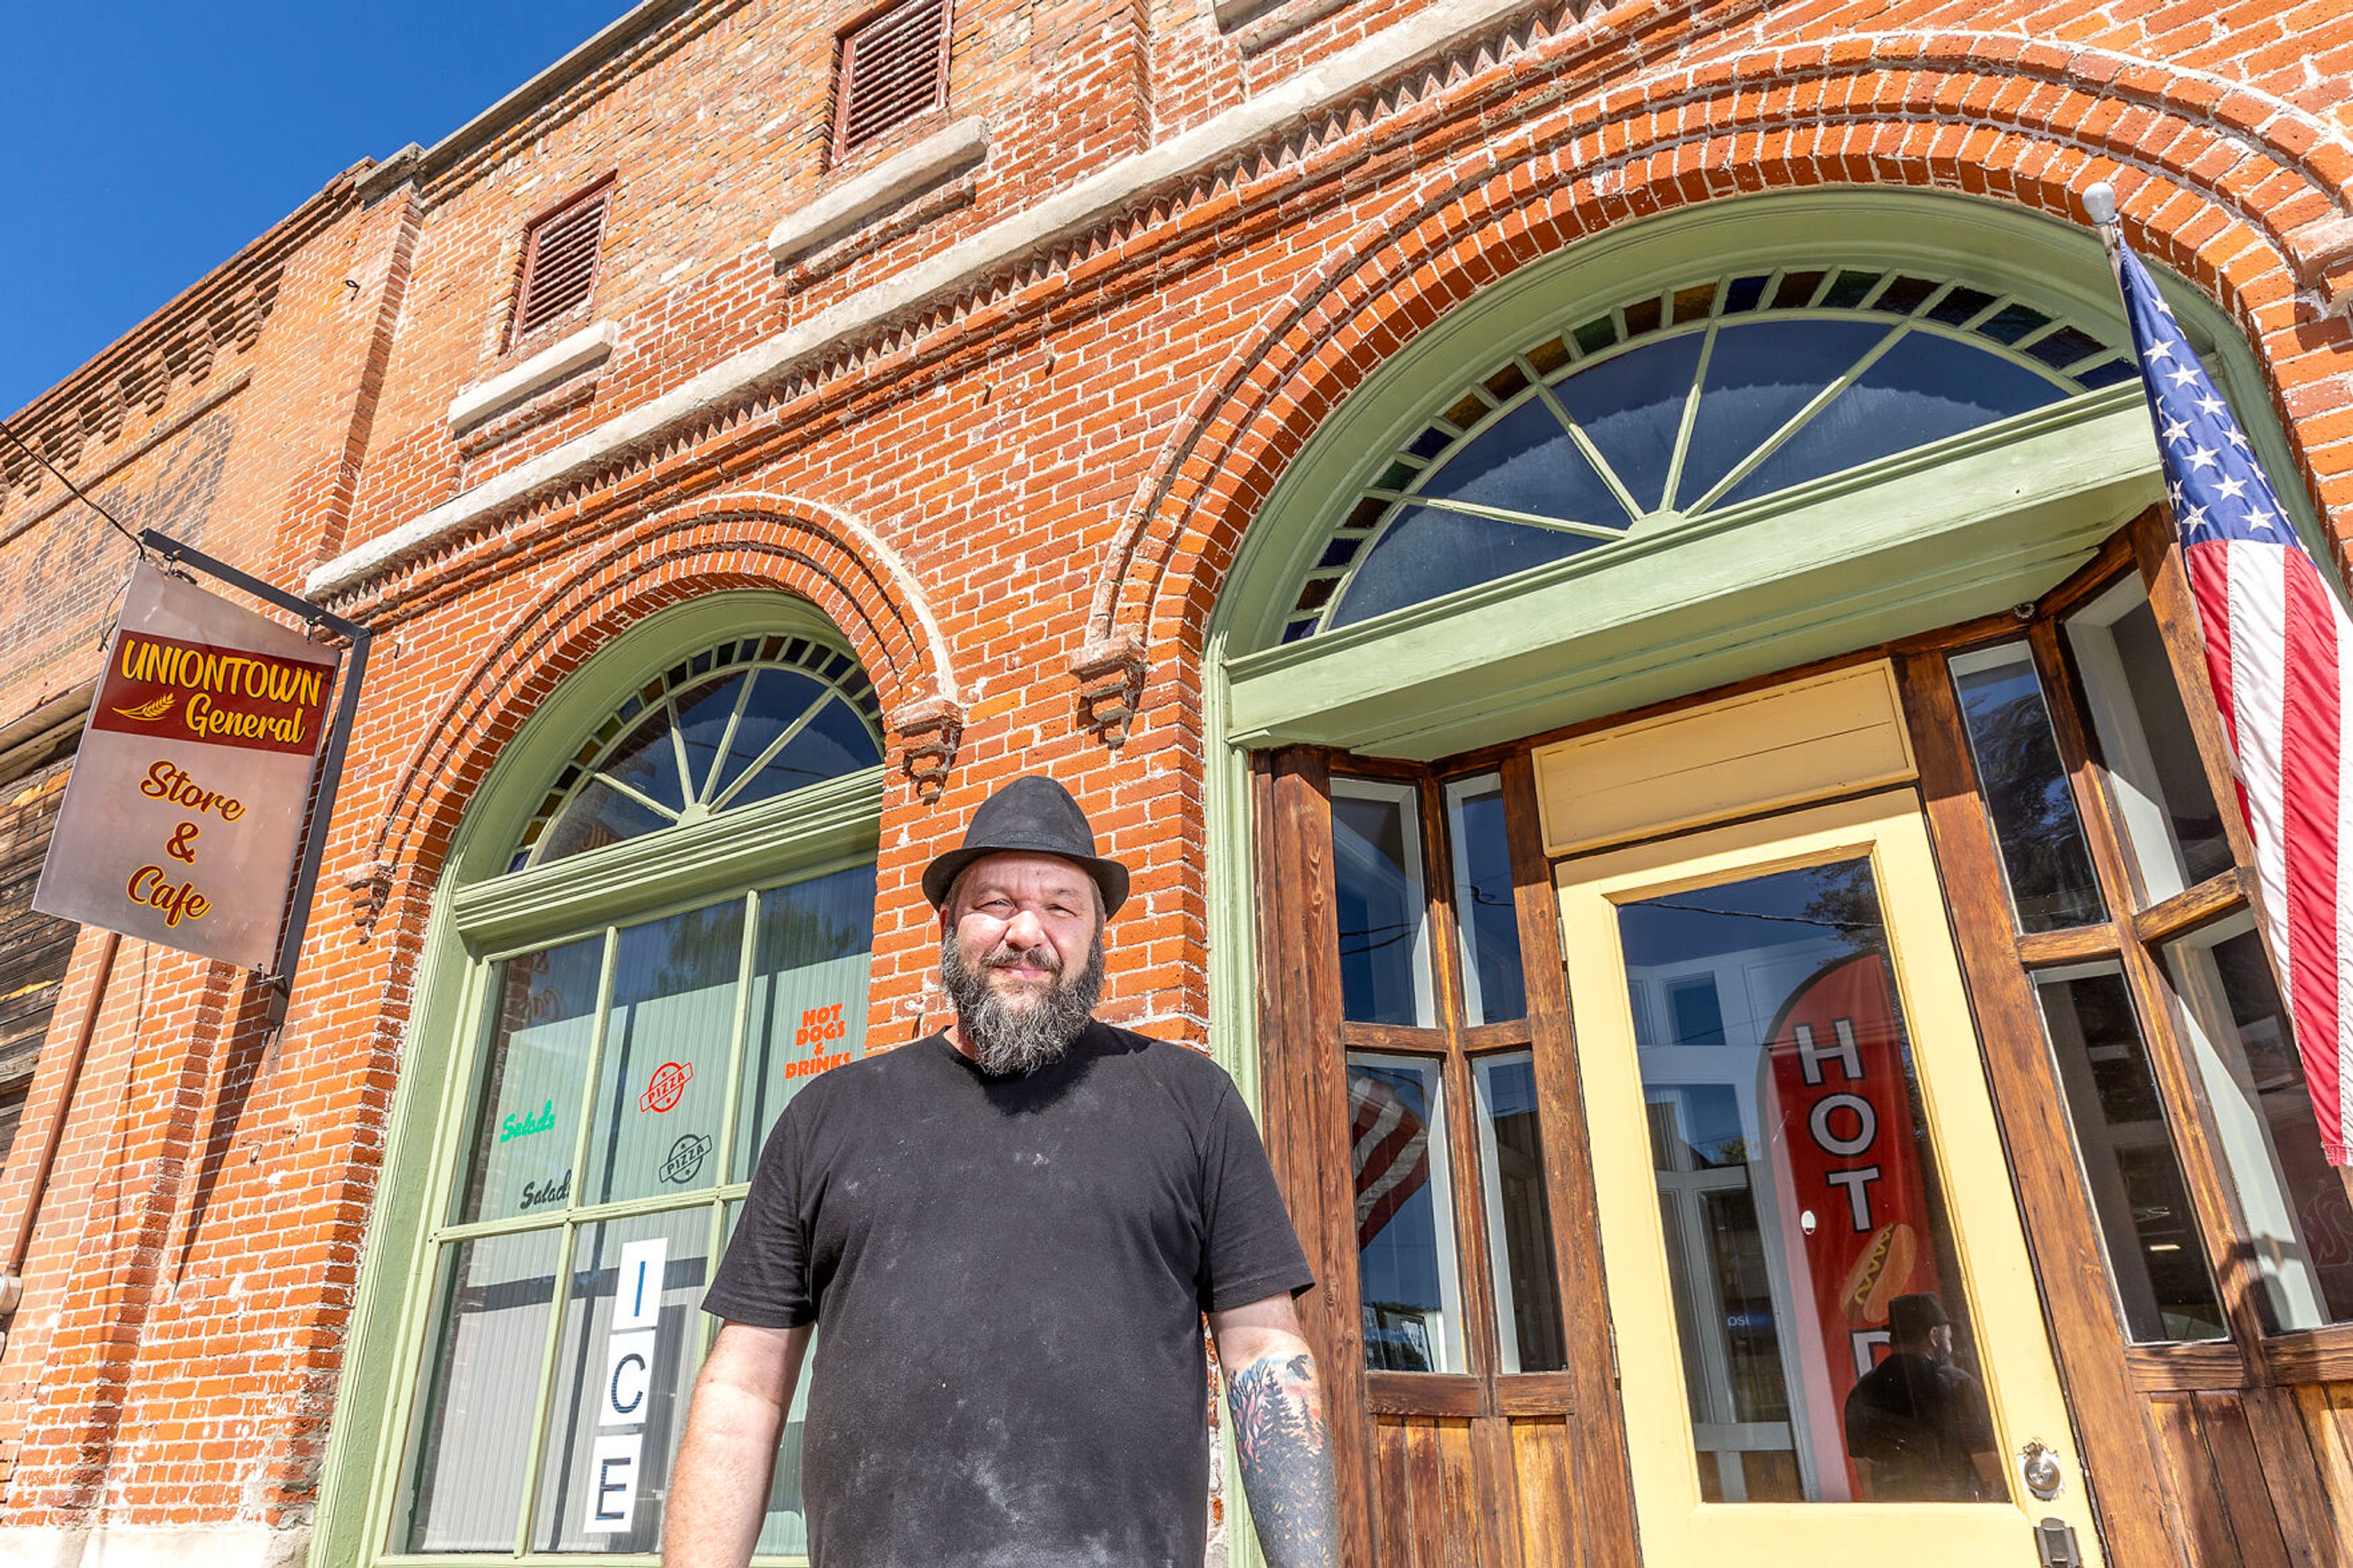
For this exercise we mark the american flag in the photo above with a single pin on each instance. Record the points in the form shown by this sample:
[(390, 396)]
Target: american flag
[(2276, 647), (1391, 1152)]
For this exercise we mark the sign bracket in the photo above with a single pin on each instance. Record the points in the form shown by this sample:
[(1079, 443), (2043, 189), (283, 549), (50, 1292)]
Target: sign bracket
[(330, 770)]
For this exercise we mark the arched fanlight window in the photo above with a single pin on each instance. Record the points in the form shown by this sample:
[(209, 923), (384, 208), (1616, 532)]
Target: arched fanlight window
[(1688, 402), (742, 722)]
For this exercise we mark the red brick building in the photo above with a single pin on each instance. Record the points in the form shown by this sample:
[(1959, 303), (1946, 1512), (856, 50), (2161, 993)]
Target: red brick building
[(1575, 554)]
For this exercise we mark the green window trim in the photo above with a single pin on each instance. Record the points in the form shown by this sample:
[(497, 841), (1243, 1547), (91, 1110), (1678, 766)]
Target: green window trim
[(481, 913)]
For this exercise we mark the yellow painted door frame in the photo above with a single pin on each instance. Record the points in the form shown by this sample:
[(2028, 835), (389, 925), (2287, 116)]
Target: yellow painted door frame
[(1678, 1526)]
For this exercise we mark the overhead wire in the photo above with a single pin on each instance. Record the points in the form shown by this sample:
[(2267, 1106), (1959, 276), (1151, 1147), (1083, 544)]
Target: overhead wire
[(79, 494)]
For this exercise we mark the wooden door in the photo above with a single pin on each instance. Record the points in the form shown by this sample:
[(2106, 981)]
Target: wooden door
[(1797, 1158)]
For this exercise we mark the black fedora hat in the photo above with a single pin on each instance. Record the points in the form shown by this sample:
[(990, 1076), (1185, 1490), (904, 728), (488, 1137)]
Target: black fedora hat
[(1031, 815)]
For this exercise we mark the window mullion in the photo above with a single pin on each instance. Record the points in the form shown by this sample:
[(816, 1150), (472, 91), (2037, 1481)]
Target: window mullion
[(1690, 417), (617, 785), (791, 732), (738, 1031), (726, 738), (1592, 453), (557, 1300), (1798, 421)]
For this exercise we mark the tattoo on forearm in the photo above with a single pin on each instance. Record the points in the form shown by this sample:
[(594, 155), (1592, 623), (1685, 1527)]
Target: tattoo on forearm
[(1286, 1461)]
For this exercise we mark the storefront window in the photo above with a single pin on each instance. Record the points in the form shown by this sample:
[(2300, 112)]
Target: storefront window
[(1797, 1187), (1486, 912), (2170, 820), (1385, 974), (2052, 884), (2138, 1193), (624, 1078), (2298, 1226), (1405, 1215)]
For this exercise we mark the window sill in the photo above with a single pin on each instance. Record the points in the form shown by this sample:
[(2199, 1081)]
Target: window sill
[(568, 355), (954, 148)]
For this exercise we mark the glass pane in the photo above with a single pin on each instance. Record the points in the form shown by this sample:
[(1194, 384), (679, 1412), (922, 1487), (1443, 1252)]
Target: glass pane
[(1632, 408), (1926, 389), (1519, 1219), (477, 1393), (533, 1069), (647, 762), (1405, 1217), (2146, 1226), (2171, 823), (778, 699), (835, 742), (2025, 790), (1484, 906), (1426, 552), (1527, 461), (702, 715), (599, 815), (1819, 1298), (662, 1085), (1384, 934), (1759, 375), (809, 997), (624, 1369), (2299, 1225)]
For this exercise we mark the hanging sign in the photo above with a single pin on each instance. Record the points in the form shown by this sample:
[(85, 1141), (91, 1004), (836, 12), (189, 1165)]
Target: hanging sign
[(1847, 1166), (183, 812)]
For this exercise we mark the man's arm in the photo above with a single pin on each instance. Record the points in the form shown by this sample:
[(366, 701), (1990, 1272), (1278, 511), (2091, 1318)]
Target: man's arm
[(1285, 1448), (719, 1487)]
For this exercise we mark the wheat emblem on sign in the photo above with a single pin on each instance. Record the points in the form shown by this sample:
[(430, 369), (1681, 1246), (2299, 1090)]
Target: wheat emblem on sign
[(147, 712)]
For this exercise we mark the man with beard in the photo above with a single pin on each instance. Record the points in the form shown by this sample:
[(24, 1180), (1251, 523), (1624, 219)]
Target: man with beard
[(1009, 1234)]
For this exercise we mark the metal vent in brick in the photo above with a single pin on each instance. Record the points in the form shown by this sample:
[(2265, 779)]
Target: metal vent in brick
[(894, 66), (559, 260)]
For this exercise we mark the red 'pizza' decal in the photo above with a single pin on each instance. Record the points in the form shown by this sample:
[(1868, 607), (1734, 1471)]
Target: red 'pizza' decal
[(668, 1083)]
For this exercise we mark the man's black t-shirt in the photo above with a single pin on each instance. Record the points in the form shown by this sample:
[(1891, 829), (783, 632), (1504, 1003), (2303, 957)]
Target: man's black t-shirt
[(1008, 1276)]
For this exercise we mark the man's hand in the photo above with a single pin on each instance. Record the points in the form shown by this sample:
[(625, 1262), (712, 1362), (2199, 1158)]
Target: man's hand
[(719, 1488), (1279, 1433)]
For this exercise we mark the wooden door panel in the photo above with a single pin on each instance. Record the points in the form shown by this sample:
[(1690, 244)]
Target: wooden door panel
[(1547, 1515), (2227, 1509)]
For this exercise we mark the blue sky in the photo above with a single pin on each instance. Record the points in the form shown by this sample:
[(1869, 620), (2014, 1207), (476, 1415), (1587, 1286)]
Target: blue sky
[(148, 142)]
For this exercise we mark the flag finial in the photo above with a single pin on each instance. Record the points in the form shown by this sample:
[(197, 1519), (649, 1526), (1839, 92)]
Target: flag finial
[(2100, 204)]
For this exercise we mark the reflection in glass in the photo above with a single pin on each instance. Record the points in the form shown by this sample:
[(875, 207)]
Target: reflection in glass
[(478, 1392), (1485, 910), (661, 1083), (2146, 1226), (2291, 1205), (1519, 1224), (2171, 823), (1428, 551), (624, 1367), (2025, 789), (1384, 933), (1405, 1218), (533, 1066), (1797, 1188), (809, 997)]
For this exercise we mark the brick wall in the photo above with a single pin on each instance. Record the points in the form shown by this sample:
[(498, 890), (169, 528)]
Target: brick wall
[(1035, 461)]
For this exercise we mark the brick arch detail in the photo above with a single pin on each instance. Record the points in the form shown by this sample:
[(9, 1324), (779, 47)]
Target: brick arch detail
[(2237, 191), (740, 540)]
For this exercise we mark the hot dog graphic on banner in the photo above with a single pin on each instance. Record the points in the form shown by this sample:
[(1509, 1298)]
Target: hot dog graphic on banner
[(1852, 1196)]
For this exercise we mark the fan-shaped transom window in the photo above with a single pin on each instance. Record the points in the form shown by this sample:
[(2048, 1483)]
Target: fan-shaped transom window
[(746, 720), (1684, 403)]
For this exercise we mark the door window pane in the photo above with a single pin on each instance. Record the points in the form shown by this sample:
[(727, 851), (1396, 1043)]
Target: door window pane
[(470, 1439), (1384, 931), (1405, 1216), (1808, 1227), (2025, 789), (533, 1066), (1485, 910), (810, 965), (2292, 1204), (1519, 1220), (623, 1371), (2171, 822), (662, 1084), (2138, 1193)]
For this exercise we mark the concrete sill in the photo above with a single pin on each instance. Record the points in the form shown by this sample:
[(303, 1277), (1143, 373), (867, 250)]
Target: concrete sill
[(588, 346), (945, 153)]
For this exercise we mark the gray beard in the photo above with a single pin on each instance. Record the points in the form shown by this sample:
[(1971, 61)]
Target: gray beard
[(1010, 1040)]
